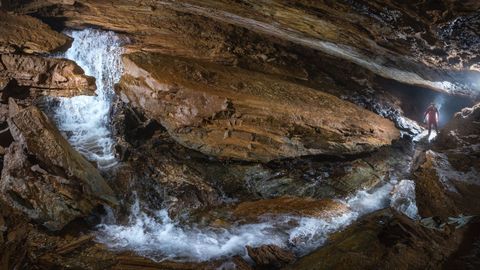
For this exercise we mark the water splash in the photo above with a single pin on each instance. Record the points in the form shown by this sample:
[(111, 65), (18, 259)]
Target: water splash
[(425, 137), (84, 120), (403, 199), (159, 237)]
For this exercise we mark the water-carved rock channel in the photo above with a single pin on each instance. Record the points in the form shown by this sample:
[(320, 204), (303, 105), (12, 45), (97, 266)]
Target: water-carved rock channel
[(84, 121), (216, 138)]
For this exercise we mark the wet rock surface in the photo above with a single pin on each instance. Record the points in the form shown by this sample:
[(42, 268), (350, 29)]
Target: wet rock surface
[(289, 206), (45, 178), (234, 112), (385, 240), (212, 180), (270, 256), (150, 162), (448, 176)]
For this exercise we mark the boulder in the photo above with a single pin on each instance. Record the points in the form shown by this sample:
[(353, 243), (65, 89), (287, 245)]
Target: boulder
[(163, 183), (313, 177), (463, 130), (289, 206), (233, 113), (270, 256), (154, 168), (25, 34), (443, 191), (45, 178), (448, 176), (383, 240), (32, 76)]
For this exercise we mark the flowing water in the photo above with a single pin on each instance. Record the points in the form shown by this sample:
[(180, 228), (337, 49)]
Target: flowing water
[(160, 237), (85, 119), (85, 122)]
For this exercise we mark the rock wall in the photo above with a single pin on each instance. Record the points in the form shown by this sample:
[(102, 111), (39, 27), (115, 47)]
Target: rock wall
[(25, 74), (43, 178), (233, 110), (448, 176)]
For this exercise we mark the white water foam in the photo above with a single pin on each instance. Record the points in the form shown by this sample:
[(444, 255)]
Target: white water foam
[(84, 120), (404, 200), (160, 238), (423, 136)]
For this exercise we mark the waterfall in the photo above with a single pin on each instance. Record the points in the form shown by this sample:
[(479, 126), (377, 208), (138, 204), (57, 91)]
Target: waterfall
[(84, 120)]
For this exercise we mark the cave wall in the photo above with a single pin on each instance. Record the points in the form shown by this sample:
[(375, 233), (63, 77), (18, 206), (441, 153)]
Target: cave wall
[(254, 99)]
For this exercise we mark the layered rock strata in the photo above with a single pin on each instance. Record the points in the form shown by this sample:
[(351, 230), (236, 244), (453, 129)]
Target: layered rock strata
[(45, 178), (233, 113), (425, 44)]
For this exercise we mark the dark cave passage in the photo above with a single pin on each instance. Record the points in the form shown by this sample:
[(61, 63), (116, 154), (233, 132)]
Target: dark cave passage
[(414, 101)]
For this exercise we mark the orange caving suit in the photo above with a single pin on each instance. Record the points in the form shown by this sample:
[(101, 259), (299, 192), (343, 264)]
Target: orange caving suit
[(431, 114)]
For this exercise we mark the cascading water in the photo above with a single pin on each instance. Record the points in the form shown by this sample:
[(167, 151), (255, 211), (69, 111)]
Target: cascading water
[(84, 119), (161, 238)]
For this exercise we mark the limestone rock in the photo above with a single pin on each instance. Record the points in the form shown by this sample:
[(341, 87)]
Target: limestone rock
[(462, 130), (442, 189), (232, 113), (33, 76), (153, 168), (383, 240), (292, 206), (431, 196), (25, 34), (425, 44), (164, 183), (44, 177), (270, 256), (448, 177)]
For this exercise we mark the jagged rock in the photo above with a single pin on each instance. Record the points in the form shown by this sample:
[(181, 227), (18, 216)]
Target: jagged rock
[(160, 180), (163, 183), (240, 263), (233, 113), (468, 255), (383, 240), (319, 178), (270, 256), (289, 206), (32, 76), (13, 251), (25, 34), (443, 191), (463, 130), (448, 177), (45, 178)]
